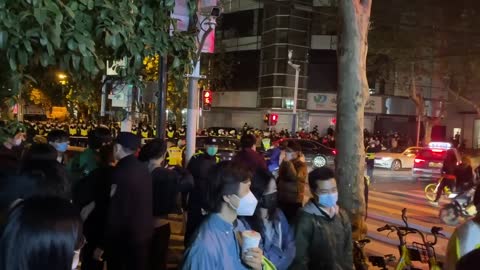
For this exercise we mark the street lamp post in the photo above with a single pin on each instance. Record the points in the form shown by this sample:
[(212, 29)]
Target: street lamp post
[(295, 91)]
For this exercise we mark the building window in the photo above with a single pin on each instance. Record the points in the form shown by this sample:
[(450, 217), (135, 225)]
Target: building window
[(288, 103)]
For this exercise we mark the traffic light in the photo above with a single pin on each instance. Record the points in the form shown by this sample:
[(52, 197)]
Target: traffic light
[(272, 119), (266, 118), (206, 100)]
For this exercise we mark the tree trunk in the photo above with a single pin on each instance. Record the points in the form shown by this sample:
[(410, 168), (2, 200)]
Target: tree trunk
[(351, 99), (428, 125)]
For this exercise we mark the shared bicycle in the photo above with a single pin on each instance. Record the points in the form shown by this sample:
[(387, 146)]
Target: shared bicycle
[(423, 252)]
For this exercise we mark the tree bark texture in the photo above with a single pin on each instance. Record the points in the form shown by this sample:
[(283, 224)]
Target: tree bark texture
[(353, 92)]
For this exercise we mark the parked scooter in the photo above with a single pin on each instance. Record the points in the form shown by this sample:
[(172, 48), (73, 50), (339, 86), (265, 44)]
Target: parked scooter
[(461, 205)]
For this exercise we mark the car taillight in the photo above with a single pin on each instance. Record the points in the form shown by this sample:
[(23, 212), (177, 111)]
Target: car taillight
[(438, 150), (334, 151), (419, 160)]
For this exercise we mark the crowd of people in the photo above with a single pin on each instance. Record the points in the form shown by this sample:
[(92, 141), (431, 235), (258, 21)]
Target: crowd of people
[(110, 204)]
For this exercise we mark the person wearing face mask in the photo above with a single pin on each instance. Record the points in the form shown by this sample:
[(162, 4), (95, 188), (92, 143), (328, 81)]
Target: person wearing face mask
[(42, 232), (59, 139), (216, 244), (198, 167), (323, 232), (129, 227), (10, 147), (277, 242), (167, 184), (293, 191)]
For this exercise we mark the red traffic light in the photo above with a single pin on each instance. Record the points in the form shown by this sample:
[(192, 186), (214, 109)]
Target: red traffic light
[(206, 100), (272, 119)]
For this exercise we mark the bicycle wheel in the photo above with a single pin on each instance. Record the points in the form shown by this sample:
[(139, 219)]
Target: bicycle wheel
[(430, 193)]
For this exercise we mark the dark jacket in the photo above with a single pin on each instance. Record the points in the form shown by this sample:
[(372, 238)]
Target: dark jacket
[(9, 160), (95, 188), (323, 243), (198, 166), (464, 177), (251, 159), (130, 213)]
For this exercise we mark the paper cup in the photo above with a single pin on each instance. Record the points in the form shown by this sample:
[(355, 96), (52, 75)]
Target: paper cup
[(251, 239)]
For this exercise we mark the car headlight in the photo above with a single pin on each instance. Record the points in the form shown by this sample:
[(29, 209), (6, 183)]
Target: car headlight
[(386, 158)]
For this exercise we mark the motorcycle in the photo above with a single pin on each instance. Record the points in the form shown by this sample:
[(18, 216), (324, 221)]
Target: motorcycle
[(461, 205)]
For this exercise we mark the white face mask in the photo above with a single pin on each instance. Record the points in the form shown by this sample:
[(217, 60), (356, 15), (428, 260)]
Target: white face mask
[(18, 142), (76, 259), (247, 205)]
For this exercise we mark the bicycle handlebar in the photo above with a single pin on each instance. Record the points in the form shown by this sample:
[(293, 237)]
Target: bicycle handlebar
[(403, 231)]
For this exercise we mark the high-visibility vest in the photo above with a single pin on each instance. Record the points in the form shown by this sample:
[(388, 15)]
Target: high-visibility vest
[(369, 154), (170, 134), (174, 156), (181, 134), (144, 134), (155, 133), (73, 131), (134, 131), (266, 143), (84, 132), (463, 240)]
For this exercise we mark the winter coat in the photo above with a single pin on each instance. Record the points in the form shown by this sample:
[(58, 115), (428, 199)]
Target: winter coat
[(293, 182), (280, 249), (323, 243)]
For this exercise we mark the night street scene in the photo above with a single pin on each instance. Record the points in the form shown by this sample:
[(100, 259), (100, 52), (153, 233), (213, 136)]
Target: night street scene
[(239, 134)]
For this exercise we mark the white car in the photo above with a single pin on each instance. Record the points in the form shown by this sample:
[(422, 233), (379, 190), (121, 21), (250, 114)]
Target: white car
[(396, 161)]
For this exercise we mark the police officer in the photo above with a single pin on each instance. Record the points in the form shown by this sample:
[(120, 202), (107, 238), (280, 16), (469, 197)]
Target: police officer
[(181, 132), (84, 130), (48, 128), (170, 132), (134, 130), (199, 166), (155, 131), (370, 159), (175, 154), (144, 132)]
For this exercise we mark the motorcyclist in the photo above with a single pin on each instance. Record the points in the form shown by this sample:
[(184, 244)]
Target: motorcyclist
[(448, 174), (465, 237), (464, 175)]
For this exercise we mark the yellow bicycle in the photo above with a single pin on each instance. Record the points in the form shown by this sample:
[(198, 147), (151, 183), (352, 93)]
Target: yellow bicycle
[(431, 190), (423, 252)]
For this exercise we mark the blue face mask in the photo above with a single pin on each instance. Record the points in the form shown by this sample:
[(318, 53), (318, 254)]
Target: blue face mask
[(212, 150), (328, 200), (61, 147)]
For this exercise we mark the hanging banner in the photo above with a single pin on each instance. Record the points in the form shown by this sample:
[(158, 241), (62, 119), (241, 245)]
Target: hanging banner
[(204, 23), (181, 14)]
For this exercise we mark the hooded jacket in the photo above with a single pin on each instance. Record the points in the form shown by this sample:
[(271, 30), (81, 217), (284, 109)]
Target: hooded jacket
[(323, 243), (293, 182)]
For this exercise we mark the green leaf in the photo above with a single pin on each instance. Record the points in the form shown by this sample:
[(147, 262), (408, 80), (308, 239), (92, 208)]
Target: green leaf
[(169, 3), (44, 59), (76, 62), (70, 11), (11, 60), (176, 62), (91, 4), (83, 49), (40, 15), (72, 45), (88, 63), (22, 57), (100, 64), (28, 46), (3, 39)]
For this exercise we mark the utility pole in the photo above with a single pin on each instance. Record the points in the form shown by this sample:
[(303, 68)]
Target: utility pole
[(162, 97), (295, 91), (192, 109)]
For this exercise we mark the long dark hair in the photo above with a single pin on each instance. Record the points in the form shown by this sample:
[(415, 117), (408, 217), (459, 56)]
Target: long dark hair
[(40, 162), (260, 182), (41, 233)]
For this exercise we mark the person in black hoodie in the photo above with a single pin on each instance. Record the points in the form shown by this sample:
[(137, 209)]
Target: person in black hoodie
[(166, 186), (94, 191), (130, 219)]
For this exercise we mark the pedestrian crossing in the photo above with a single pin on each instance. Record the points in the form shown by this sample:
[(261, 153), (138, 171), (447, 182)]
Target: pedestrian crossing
[(386, 206)]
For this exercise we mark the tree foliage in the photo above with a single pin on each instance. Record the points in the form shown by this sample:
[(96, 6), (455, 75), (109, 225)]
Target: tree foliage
[(79, 36)]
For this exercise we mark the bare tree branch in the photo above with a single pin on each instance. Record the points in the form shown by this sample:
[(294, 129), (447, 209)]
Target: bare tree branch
[(464, 99)]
